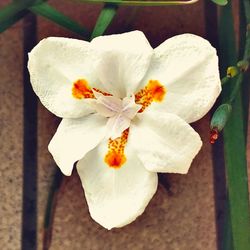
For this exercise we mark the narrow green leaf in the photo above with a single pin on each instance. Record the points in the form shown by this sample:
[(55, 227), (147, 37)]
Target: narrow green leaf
[(141, 2), (227, 243), (235, 157), (56, 185), (59, 18), (244, 13), (234, 142), (220, 2), (104, 20), (12, 13), (12, 20)]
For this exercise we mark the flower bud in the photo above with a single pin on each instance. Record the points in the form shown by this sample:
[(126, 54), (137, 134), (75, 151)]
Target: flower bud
[(219, 120), (232, 71)]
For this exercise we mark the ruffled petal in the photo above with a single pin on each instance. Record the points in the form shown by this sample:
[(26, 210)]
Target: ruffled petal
[(74, 138), (115, 197), (164, 142), (123, 61), (188, 66), (54, 65)]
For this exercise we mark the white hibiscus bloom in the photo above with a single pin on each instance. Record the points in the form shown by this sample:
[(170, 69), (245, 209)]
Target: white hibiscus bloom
[(125, 109)]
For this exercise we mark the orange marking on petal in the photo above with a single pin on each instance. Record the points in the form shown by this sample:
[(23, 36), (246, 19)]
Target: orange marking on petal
[(81, 89), (154, 91), (157, 90), (99, 91), (115, 157)]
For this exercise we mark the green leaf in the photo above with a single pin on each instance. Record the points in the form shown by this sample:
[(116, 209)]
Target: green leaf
[(12, 20), (59, 18), (56, 185), (220, 2), (141, 2), (104, 20), (235, 157), (234, 142), (12, 13), (244, 14)]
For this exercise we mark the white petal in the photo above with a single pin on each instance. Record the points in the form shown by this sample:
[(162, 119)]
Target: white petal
[(115, 197), (74, 138), (164, 142), (54, 65), (123, 61), (188, 66)]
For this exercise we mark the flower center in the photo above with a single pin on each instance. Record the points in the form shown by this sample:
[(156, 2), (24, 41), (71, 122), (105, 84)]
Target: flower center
[(119, 112)]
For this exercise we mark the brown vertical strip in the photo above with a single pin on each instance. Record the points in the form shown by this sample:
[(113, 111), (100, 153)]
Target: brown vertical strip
[(220, 192), (29, 216)]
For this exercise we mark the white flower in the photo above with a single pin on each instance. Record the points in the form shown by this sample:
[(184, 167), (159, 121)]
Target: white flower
[(125, 109)]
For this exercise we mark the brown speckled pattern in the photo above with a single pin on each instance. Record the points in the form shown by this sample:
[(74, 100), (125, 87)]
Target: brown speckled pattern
[(11, 128)]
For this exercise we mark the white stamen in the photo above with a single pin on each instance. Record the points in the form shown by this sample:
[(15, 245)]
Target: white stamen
[(119, 111)]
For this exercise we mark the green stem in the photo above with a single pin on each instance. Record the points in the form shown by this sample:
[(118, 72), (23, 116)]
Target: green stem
[(141, 3), (104, 20), (236, 88), (227, 243), (246, 55), (54, 15), (246, 5), (56, 186), (234, 71), (4, 25), (12, 13), (244, 22), (234, 141)]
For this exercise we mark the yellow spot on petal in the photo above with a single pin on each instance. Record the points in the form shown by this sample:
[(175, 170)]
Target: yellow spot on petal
[(157, 90), (81, 89), (154, 91), (115, 156)]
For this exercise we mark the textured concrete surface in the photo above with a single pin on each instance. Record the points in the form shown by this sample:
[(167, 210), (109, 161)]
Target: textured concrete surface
[(183, 220), (11, 128)]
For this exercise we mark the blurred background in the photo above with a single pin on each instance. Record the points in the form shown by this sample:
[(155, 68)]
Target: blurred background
[(187, 211)]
